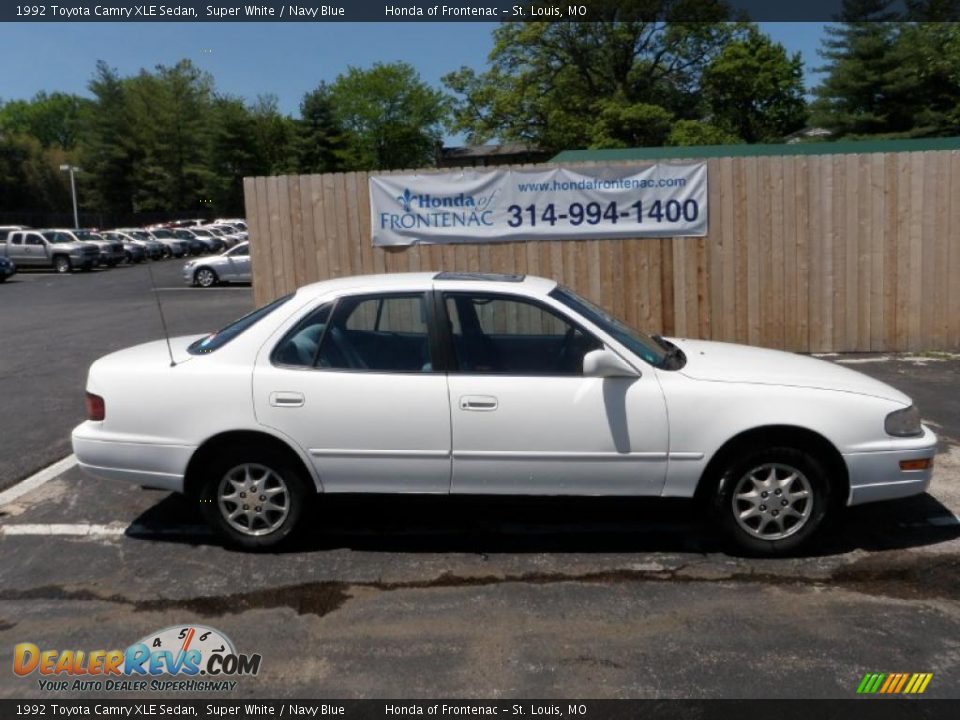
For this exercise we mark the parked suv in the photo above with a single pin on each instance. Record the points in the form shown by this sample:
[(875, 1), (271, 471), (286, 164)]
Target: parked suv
[(55, 249), (174, 246), (111, 252)]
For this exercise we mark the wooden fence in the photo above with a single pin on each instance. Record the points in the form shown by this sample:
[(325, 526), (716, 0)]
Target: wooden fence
[(816, 253)]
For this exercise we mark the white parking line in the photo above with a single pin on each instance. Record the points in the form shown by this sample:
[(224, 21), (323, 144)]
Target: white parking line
[(98, 530), (187, 288), (37, 479)]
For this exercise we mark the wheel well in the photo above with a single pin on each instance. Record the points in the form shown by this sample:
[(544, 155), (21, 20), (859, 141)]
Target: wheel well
[(212, 447), (773, 435)]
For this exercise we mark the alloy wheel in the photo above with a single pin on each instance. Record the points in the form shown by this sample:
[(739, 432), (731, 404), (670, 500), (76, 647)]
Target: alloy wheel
[(772, 501), (253, 499)]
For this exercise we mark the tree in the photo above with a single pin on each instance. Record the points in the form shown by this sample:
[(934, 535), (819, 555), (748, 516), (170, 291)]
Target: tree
[(53, 119), (30, 174), (233, 154), (393, 116), (870, 86), (321, 144), (754, 90), (933, 51), (697, 132), (172, 125), (620, 124), (109, 152), (548, 82)]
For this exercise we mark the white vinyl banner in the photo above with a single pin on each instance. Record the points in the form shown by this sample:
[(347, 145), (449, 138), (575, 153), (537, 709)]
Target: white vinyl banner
[(662, 200)]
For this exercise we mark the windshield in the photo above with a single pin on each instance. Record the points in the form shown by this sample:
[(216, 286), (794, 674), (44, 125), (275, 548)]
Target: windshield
[(638, 342), (161, 233), (139, 235), (216, 340), (57, 237), (203, 233), (87, 235)]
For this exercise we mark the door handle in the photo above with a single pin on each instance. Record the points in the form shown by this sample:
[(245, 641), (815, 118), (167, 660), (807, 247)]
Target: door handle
[(286, 399), (481, 403)]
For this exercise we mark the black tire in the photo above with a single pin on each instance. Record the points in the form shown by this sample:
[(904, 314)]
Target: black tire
[(205, 277), (773, 537), (128, 257), (62, 264), (233, 462)]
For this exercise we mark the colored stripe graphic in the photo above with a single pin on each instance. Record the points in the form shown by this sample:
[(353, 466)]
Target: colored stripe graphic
[(894, 683)]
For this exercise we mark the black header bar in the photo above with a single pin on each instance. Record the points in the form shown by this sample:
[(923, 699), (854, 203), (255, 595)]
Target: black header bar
[(233, 709), (307, 11)]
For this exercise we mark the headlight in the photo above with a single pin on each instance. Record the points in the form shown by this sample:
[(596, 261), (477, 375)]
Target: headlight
[(903, 423), (189, 264)]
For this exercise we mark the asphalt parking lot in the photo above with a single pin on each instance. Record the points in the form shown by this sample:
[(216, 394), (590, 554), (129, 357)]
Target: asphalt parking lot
[(453, 598)]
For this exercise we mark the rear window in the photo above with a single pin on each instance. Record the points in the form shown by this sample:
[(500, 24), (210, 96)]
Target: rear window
[(221, 337)]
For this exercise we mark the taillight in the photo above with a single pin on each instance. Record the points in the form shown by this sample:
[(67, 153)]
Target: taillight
[(96, 410)]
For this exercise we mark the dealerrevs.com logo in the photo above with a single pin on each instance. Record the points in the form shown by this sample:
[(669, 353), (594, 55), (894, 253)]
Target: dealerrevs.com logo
[(196, 657)]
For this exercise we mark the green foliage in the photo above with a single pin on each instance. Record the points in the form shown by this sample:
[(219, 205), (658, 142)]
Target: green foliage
[(620, 124), (393, 117), (696, 132), (755, 90), (321, 144), (572, 84), (30, 174), (53, 119), (891, 75)]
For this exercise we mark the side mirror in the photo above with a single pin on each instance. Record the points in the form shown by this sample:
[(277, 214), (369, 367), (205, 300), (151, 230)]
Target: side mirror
[(606, 364)]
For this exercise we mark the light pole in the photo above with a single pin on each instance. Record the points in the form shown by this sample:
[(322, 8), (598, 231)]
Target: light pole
[(73, 191)]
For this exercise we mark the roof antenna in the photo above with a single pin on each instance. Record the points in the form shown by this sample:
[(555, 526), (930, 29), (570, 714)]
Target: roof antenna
[(163, 320)]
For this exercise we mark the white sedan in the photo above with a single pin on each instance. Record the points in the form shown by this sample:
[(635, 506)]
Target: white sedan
[(491, 384)]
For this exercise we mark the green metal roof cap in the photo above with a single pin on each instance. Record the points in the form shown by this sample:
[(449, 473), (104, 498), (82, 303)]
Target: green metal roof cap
[(802, 148)]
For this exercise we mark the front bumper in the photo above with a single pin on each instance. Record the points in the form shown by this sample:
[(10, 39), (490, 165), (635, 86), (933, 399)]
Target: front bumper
[(138, 460), (875, 472)]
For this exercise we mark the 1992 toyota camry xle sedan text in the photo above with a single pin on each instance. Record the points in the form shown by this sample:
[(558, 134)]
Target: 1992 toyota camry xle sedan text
[(491, 384)]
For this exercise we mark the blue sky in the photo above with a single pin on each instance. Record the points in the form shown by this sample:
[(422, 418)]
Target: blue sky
[(250, 59)]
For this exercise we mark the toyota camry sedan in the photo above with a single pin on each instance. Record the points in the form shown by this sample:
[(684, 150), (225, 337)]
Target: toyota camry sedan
[(459, 383)]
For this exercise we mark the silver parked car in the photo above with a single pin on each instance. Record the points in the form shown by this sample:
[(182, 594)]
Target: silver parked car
[(230, 266)]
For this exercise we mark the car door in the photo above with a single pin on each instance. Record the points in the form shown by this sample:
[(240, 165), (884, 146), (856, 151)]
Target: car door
[(524, 418), (238, 261), (16, 249), (353, 383), (35, 249)]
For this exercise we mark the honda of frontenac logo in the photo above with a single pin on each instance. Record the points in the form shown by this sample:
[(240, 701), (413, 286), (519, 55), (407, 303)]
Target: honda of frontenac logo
[(426, 201), (428, 210)]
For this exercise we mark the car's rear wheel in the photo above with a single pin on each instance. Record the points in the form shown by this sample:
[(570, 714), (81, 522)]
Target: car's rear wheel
[(205, 277), (774, 501), (254, 498), (61, 263)]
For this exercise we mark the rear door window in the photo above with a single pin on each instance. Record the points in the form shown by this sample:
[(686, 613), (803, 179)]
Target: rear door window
[(378, 333)]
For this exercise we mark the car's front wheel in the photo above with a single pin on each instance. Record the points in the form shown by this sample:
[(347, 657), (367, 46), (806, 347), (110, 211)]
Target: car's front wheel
[(61, 263), (254, 499), (773, 501), (205, 277)]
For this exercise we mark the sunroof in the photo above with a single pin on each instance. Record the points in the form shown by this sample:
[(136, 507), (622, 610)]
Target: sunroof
[(489, 277)]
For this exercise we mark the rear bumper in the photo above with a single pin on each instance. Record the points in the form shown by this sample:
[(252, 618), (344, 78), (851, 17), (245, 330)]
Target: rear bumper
[(876, 474), (130, 459)]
